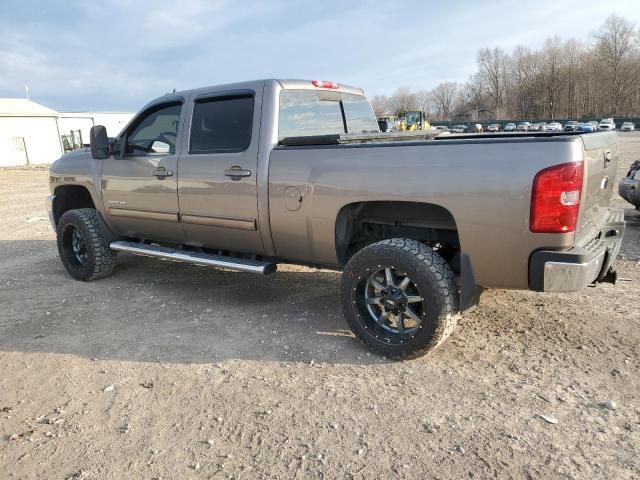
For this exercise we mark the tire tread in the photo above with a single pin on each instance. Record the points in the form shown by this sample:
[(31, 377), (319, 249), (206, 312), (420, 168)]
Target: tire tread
[(442, 280), (102, 253)]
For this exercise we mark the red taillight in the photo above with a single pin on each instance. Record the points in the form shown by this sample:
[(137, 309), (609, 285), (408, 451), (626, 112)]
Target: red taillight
[(555, 199), (323, 84)]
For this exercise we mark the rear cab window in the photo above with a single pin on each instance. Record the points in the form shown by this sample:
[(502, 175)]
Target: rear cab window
[(324, 112)]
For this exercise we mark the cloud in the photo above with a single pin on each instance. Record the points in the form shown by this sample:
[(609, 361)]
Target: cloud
[(117, 54)]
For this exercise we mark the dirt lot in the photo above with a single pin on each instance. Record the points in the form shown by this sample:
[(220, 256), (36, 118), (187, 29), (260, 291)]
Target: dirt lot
[(166, 370)]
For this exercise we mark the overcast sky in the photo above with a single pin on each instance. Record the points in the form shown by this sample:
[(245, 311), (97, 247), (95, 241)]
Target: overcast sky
[(115, 55)]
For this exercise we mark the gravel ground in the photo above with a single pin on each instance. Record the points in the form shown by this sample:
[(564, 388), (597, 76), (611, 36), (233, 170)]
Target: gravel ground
[(165, 370)]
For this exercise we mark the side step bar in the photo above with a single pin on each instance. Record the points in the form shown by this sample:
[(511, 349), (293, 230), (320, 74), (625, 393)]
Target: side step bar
[(198, 258)]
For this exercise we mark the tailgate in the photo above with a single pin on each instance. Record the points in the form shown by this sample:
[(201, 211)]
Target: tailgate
[(601, 163)]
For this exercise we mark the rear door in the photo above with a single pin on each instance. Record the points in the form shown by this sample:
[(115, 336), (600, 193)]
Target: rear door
[(217, 184), (140, 185)]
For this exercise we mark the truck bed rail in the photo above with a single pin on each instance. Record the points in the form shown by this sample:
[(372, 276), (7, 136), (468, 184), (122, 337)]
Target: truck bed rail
[(420, 135)]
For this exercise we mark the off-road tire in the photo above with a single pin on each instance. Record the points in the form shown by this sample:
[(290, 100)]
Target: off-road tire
[(434, 278), (99, 257)]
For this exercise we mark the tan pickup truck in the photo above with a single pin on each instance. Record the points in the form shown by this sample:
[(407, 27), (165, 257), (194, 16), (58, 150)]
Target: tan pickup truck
[(248, 175)]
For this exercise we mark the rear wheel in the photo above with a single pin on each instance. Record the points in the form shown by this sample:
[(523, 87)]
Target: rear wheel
[(82, 247), (399, 297)]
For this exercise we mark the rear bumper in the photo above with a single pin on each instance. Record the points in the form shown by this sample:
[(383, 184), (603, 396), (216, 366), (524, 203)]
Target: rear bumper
[(574, 269), (629, 189)]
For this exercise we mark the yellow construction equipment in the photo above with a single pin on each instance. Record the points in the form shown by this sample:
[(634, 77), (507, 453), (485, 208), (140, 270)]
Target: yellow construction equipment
[(413, 120)]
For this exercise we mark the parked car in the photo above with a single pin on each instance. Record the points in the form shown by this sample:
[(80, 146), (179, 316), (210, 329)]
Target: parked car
[(534, 127), (441, 130), (628, 127), (586, 127), (244, 184), (459, 128), (629, 186), (606, 124), (524, 126), (543, 127), (571, 126), (510, 127), (494, 127), (554, 127), (477, 128)]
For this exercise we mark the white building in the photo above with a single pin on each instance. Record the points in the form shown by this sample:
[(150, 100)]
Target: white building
[(31, 133), (83, 121), (28, 133)]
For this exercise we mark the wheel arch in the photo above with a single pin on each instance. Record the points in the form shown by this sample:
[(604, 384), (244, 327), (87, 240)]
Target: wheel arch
[(71, 197), (361, 223), (393, 217)]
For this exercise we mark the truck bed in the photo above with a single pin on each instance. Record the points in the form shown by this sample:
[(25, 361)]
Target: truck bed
[(483, 181)]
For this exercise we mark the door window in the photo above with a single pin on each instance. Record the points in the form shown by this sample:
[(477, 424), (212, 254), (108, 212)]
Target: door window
[(156, 132), (222, 124)]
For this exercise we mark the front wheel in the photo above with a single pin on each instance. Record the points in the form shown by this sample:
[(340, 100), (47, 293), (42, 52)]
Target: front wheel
[(399, 297), (83, 249)]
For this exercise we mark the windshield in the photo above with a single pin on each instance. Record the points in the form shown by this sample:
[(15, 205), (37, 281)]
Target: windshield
[(412, 118), (324, 112)]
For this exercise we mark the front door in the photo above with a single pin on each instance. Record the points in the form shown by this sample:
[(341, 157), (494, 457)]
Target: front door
[(140, 184), (217, 184)]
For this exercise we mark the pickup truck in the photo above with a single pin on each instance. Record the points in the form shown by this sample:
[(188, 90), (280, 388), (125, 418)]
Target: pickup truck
[(249, 175)]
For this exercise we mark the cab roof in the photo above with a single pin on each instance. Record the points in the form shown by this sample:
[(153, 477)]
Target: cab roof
[(288, 84)]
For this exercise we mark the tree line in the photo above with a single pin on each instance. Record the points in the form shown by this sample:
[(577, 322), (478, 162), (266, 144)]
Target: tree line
[(564, 79)]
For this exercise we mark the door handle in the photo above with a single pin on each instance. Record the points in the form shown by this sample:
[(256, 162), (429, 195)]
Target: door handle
[(237, 172), (163, 173)]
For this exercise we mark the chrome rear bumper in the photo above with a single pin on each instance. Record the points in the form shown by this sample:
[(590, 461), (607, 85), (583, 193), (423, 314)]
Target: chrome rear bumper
[(574, 269), (571, 277)]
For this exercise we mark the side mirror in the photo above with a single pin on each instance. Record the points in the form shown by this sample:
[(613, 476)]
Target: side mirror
[(99, 142)]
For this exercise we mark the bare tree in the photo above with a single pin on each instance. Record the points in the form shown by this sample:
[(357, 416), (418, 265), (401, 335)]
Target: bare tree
[(424, 102), (563, 79), (523, 71), (492, 68), (553, 79), (472, 92), (380, 105), (572, 51), (444, 96), (402, 100), (616, 42), (590, 85)]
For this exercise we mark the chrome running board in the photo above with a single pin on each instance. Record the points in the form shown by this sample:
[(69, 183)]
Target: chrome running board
[(197, 258)]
